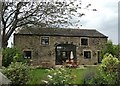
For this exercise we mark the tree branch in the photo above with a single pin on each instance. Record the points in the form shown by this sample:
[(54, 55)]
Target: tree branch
[(13, 26), (10, 23), (9, 16), (31, 14)]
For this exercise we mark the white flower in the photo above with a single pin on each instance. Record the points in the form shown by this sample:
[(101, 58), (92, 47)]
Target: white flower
[(55, 73), (63, 80), (37, 66), (49, 76), (52, 69), (62, 69), (59, 72), (48, 70), (45, 81)]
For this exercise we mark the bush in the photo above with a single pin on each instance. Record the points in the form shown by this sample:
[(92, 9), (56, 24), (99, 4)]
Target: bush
[(109, 63), (10, 55), (59, 76), (17, 72), (108, 72)]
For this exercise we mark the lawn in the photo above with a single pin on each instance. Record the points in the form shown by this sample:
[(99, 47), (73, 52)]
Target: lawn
[(37, 75), (40, 74)]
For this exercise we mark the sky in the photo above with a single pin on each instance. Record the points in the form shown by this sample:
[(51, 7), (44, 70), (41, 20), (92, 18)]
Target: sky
[(105, 19)]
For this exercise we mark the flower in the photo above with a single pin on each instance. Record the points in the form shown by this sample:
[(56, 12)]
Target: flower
[(59, 72), (55, 73), (49, 76), (46, 82)]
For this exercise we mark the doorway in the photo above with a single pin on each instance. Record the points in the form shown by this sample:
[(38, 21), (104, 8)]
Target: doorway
[(63, 53)]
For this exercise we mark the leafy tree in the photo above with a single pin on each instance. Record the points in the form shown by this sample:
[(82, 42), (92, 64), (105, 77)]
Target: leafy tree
[(110, 48), (117, 51), (11, 55), (43, 14)]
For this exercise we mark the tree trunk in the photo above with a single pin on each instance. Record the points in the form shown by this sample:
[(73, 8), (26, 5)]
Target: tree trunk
[(4, 41), (0, 35)]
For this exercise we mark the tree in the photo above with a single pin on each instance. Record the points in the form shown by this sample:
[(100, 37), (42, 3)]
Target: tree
[(110, 48), (43, 14), (11, 55), (0, 41)]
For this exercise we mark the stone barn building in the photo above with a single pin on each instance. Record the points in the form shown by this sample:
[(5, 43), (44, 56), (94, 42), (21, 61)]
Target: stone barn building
[(49, 46)]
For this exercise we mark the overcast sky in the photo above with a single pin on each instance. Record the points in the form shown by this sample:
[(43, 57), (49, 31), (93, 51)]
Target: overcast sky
[(105, 19)]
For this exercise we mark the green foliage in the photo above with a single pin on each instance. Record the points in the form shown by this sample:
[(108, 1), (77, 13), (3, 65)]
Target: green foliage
[(59, 76), (10, 55), (110, 48), (17, 72), (39, 75), (108, 72), (109, 63)]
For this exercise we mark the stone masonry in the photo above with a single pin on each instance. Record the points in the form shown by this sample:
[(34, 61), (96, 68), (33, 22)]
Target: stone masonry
[(45, 55)]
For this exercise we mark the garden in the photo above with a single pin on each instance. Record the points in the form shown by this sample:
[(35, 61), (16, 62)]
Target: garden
[(73, 75), (19, 72)]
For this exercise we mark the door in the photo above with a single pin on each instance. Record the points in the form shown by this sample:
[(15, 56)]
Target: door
[(63, 53)]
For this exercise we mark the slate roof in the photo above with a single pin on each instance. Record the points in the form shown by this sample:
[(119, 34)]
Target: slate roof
[(61, 32)]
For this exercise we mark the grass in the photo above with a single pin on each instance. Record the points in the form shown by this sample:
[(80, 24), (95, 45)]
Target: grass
[(79, 73), (39, 74)]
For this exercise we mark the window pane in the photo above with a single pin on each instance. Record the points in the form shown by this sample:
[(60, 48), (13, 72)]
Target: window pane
[(87, 54), (27, 54), (84, 41), (45, 40)]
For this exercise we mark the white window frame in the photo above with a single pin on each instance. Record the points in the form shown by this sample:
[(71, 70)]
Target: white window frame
[(48, 40)]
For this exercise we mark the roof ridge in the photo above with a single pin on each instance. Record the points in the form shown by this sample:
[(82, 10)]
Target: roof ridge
[(62, 32), (70, 28)]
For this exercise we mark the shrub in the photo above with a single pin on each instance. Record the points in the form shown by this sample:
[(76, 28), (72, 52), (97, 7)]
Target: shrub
[(59, 76), (17, 72), (109, 63), (10, 55), (108, 71)]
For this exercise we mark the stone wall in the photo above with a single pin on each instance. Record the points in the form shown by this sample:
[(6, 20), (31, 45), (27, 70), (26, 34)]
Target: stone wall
[(45, 55)]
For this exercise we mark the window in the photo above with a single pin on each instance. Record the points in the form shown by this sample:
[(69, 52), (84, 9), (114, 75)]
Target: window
[(84, 41), (99, 57), (44, 40), (27, 54), (87, 54)]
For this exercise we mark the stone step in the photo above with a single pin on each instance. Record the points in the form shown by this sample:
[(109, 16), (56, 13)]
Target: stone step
[(4, 80)]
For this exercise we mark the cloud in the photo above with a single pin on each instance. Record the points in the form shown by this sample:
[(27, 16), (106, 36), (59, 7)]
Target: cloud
[(105, 19)]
